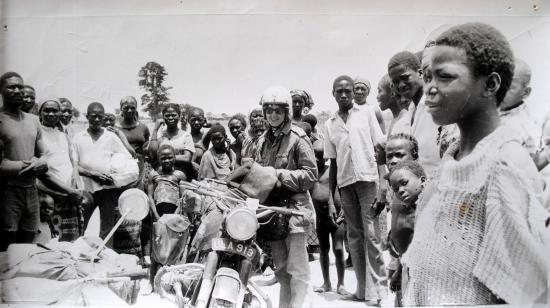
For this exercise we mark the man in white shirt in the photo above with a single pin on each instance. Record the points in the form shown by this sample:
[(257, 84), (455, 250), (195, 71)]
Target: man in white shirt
[(92, 150), (351, 134)]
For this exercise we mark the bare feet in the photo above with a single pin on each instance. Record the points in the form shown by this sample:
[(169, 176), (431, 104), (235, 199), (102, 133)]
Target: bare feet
[(352, 297), (324, 288), (342, 290)]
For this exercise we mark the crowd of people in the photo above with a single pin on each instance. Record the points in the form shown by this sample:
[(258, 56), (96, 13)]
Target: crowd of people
[(443, 174)]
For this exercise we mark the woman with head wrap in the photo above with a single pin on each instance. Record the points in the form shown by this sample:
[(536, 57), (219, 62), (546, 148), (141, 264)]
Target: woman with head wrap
[(67, 219), (286, 148), (257, 127)]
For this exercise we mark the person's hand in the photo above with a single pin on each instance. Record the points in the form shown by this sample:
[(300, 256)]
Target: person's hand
[(158, 124), (380, 202), (380, 153), (34, 167), (102, 178), (113, 129), (395, 281), (76, 197), (332, 213)]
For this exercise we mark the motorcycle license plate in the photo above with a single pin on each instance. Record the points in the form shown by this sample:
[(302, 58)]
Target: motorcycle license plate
[(223, 244)]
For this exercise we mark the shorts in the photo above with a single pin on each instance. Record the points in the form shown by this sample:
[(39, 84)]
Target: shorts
[(19, 208)]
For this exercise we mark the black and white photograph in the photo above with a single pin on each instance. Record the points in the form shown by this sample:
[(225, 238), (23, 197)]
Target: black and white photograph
[(262, 154)]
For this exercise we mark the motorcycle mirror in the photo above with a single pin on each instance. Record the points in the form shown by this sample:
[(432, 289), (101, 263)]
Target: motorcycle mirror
[(133, 204)]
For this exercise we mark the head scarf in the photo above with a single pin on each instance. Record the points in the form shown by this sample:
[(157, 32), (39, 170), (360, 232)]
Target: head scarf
[(44, 101), (363, 81), (256, 123)]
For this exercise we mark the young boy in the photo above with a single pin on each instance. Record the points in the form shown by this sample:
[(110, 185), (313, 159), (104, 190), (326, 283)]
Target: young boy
[(479, 233), (328, 225), (163, 184), (406, 180)]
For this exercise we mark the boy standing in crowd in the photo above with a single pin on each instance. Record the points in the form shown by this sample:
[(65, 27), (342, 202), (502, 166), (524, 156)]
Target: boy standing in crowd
[(351, 134)]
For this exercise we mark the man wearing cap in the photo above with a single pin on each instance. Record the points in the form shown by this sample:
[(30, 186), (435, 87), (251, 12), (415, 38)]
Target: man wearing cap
[(351, 134), (361, 89), (286, 148)]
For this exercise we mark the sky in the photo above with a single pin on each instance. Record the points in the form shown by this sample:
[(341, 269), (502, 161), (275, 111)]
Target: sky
[(221, 55)]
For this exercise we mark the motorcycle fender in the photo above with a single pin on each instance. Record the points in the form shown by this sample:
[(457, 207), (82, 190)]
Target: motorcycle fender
[(227, 286)]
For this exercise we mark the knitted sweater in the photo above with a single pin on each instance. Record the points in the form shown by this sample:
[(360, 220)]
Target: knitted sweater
[(479, 230)]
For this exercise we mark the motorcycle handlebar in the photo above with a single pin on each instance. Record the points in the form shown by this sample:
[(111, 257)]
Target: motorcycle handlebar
[(206, 192), (281, 210)]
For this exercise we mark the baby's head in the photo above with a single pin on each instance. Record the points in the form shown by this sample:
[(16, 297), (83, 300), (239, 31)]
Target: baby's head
[(400, 147), (407, 181), (46, 207)]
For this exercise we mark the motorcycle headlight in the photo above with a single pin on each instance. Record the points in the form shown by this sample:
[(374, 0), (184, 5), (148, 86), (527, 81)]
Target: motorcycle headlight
[(241, 224)]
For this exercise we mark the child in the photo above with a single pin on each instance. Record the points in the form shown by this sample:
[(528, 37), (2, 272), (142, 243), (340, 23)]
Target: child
[(479, 228), (218, 162), (406, 181), (45, 229), (163, 184), (328, 225)]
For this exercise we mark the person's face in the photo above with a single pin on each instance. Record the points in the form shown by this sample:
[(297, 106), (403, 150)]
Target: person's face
[(46, 208), (128, 111), (360, 93), (343, 93), (218, 141), (518, 91), (29, 99), (171, 117), (50, 113), (398, 150), (406, 81), (257, 122), (109, 121), (235, 128), (167, 159), (95, 117), (275, 115), (451, 89), (297, 105), (196, 121), (406, 185), (12, 92), (384, 96), (66, 113)]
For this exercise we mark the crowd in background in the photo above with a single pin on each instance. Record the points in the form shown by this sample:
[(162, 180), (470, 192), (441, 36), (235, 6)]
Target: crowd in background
[(443, 173)]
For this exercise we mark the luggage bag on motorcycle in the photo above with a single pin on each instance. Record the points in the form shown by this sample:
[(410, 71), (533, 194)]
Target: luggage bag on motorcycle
[(169, 241)]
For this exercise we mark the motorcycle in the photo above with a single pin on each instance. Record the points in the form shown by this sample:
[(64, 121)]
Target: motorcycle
[(219, 275)]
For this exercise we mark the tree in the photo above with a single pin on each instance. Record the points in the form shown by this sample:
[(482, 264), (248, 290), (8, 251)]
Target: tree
[(151, 79)]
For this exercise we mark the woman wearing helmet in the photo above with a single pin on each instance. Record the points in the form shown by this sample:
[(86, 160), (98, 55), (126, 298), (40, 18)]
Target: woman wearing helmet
[(286, 148)]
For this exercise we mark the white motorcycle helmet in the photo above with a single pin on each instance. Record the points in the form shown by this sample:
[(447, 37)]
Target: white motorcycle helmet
[(276, 95)]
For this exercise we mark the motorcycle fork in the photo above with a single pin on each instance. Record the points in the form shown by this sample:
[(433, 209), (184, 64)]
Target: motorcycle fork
[(202, 292)]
